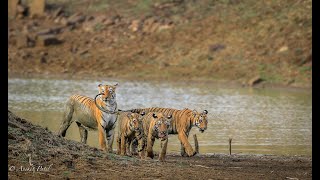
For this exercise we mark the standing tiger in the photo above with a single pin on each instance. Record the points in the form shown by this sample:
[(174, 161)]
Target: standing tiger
[(129, 127), (88, 113), (181, 124), (156, 125)]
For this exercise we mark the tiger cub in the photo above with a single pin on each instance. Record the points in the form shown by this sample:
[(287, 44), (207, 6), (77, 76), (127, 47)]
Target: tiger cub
[(156, 125), (129, 128)]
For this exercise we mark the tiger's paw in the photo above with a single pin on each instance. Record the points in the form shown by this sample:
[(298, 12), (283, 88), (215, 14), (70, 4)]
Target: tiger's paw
[(184, 154), (191, 153)]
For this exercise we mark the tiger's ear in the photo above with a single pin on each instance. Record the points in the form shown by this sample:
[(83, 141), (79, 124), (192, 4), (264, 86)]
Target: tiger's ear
[(100, 88), (143, 113), (129, 115), (154, 115), (115, 85), (194, 112), (169, 117), (205, 112)]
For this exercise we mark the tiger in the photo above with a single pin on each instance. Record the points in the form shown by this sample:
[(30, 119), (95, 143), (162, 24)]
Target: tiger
[(181, 124), (93, 114), (155, 125), (129, 127)]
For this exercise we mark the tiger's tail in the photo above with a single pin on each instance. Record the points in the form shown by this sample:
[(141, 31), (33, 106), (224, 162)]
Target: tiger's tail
[(67, 116)]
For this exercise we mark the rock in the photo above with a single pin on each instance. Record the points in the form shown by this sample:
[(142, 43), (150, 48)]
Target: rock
[(46, 40), (135, 25), (57, 29), (64, 21), (283, 49), (19, 16), (24, 41), (290, 81), (57, 12), (44, 32), (85, 51), (53, 30), (255, 80), (37, 7), (88, 26), (150, 25), (76, 19), (21, 9), (43, 60), (109, 22), (12, 8), (216, 47)]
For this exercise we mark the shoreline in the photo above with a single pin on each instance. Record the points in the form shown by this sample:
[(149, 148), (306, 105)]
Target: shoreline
[(188, 81)]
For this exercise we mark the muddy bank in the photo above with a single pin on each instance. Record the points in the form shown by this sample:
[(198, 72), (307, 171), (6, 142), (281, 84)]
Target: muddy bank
[(34, 152)]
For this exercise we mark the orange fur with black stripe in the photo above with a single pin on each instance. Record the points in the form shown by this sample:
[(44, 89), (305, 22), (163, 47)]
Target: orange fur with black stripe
[(84, 111), (181, 124)]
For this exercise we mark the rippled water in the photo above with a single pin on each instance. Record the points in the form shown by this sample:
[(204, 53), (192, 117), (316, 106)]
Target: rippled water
[(261, 121)]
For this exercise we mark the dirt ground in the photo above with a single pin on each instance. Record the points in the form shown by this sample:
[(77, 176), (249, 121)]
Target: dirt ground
[(36, 153)]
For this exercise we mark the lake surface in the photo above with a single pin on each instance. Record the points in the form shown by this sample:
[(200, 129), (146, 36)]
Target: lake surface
[(259, 121)]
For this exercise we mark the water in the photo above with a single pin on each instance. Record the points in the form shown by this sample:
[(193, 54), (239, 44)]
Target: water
[(260, 121)]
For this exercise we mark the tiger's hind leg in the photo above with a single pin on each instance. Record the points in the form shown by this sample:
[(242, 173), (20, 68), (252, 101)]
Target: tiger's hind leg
[(118, 140), (83, 133), (183, 149), (66, 122)]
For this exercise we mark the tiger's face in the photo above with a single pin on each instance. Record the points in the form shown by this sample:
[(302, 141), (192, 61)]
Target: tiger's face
[(200, 120), (135, 121), (108, 92), (161, 125)]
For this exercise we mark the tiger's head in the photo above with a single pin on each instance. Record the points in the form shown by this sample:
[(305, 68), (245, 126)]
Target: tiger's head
[(200, 120), (161, 125), (107, 92), (135, 123)]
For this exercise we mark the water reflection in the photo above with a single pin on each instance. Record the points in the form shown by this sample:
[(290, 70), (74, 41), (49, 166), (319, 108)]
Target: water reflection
[(259, 120)]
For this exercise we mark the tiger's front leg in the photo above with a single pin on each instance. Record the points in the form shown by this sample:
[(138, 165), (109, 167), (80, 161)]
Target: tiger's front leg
[(128, 143), (163, 150), (110, 137), (184, 141), (102, 141), (150, 143), (183, 150)]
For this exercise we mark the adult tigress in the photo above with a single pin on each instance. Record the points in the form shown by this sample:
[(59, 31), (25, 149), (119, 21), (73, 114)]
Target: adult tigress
[(181, 124), (88, 113)]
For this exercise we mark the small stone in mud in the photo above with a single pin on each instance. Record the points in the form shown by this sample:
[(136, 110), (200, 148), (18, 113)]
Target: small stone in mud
[(255, 80), (46, 40)]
